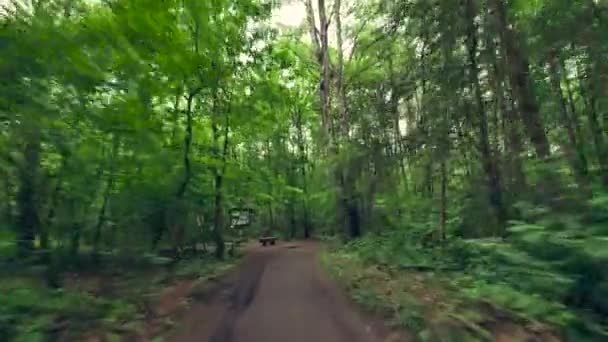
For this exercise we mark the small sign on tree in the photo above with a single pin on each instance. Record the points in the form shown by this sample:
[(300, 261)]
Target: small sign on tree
[(240, 217)]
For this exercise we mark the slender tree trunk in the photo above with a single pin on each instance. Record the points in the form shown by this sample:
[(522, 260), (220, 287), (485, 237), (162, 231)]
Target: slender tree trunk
[(519, 75), (443, 216), (218, 217), (346, 181), (325, 86), (511, 136), (176, 228), (101, 217), (307, 225), (601, 152), (175, 112), (320, 38), (487, 155), (75, 229), (573, 150), (50, 218), (302, 161), (292, 217), (428, 178), (340, 90), (8, 208), (516, 148), (574, 118), (27, 197), (187, 146), (394, 105), (597, 53)]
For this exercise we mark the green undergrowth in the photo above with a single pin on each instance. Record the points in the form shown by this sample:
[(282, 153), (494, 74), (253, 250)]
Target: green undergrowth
[(38, 314), (107, 303), (547, 278), (461, 291)]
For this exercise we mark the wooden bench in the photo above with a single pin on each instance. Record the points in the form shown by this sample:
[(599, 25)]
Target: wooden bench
[(268, 239)]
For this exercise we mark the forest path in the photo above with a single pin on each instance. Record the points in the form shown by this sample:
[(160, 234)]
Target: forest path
[(279, 294)]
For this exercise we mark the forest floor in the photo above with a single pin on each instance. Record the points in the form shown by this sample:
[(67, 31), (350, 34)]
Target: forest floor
[(280, 293)]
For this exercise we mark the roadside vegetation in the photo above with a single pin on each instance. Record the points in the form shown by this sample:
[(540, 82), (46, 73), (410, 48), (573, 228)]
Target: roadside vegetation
[(121, 300)]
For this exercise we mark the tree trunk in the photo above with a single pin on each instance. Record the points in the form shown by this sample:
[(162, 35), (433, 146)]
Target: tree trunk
[(187, 147), (488, 158), (574, 151), (325, 86), (101, 217), (519, 76), (8, 209), (597, 53), (516, 149), (292, 218), (340, 91), (350, 208), (218, 217), (76, 229), (574, 117), (176, 228), (320, 40), (27, 197), (217, 212), (511, 137), (601, 152), (347, 181), (302, 162), (443, 216), (50, 217), (394, 105), (428, 178)]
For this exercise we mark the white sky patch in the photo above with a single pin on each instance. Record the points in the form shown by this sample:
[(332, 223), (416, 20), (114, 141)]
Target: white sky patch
[(292, 13)]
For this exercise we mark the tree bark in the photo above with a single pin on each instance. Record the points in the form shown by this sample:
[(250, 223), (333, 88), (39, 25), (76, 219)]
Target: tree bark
[(519, 76), (187, 146), (340, 90), (7, 209), (572, 105), (50, 217), (101, 217), (320, 41), (487, 155), (302, 161), (443, 216), (218, 217), (347, 181), (27, 197), (394, 105), (601, 152), (574, 151)]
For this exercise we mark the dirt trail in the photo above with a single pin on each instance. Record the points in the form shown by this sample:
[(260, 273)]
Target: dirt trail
[(280, 294)]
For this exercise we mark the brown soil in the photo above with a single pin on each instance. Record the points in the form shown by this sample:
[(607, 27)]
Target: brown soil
[(279, 294)]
